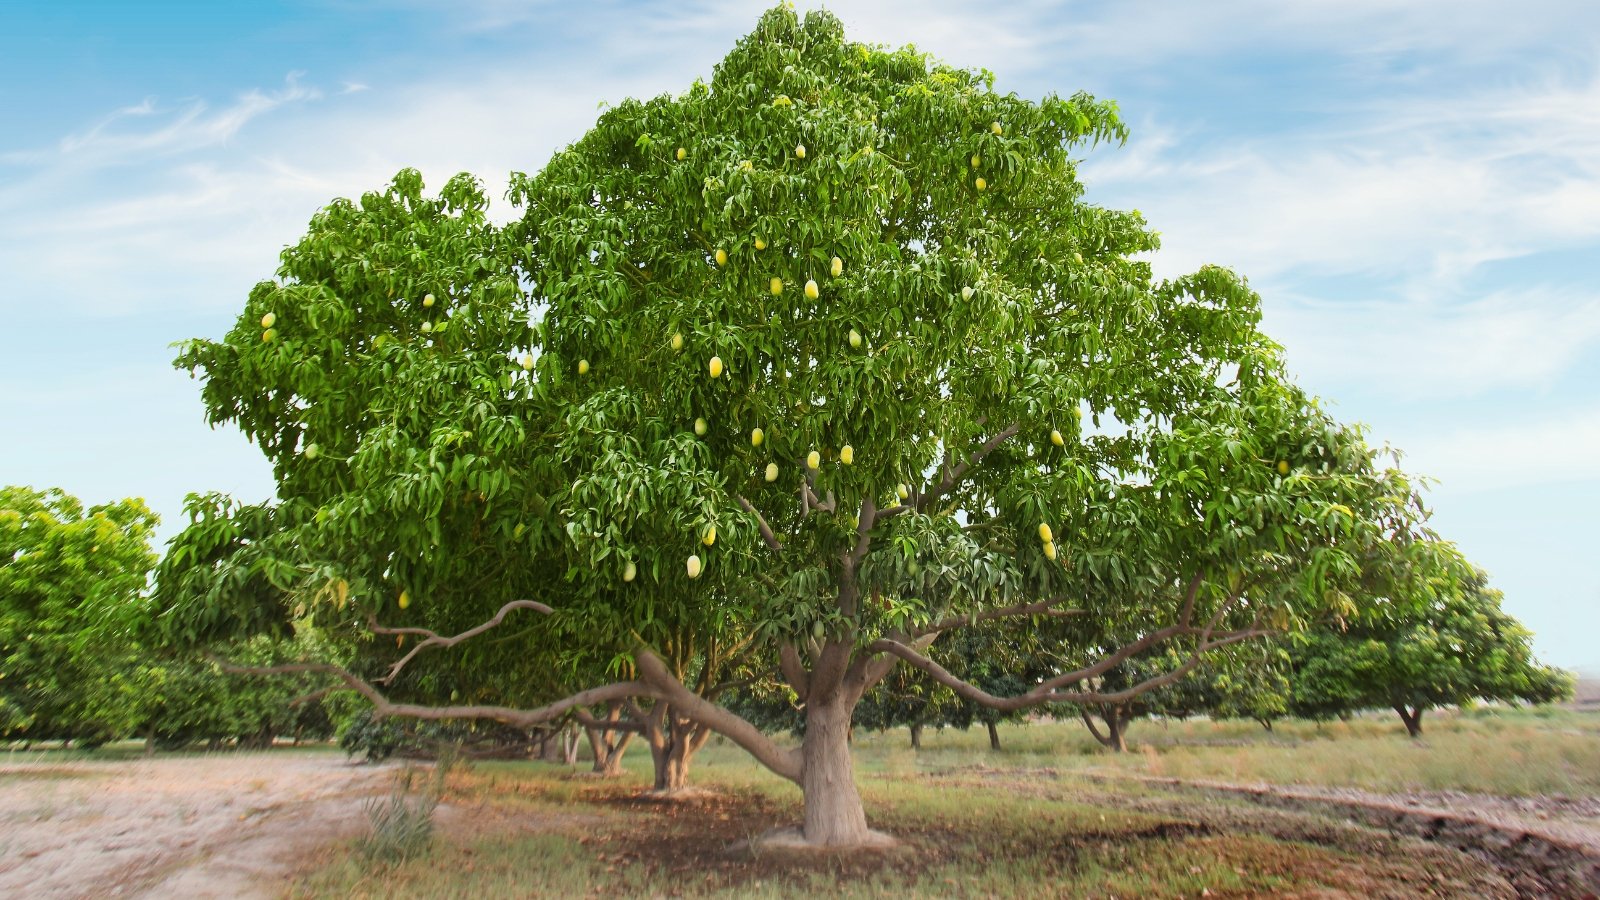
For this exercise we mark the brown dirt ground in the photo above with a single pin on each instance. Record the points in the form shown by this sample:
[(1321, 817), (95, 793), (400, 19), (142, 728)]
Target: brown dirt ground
[(225, 825)]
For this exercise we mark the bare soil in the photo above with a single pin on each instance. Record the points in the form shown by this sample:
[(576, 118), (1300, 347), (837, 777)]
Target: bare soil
[(223, 825)]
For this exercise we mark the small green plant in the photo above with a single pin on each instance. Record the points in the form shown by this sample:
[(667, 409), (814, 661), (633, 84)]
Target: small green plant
[(402, 822)]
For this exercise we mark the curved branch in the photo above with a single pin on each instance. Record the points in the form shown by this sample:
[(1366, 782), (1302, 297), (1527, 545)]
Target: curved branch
[(1041, 608), (1046, 691), (794, 671), (667, 688), (954, 474), (761, 522), (434, 640), (521, 718)]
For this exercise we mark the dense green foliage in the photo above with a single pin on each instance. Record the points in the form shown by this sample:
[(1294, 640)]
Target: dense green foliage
[(80, 656), (72, 601), (1457, 648), (812, 364)]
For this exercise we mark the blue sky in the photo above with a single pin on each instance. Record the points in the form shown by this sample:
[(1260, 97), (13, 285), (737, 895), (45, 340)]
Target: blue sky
[(1413, 188)]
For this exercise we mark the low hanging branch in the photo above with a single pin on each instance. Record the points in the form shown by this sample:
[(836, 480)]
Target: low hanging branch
[(383, 706), (1048, 691), (434, 640), (1040, 608)]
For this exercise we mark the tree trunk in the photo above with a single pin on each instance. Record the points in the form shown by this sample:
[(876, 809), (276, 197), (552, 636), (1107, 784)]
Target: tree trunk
[(916, 735), (994, 735), (834, 816), (673, 742), (1266, 723), (1412, 718), (149, 738), (608, 747), (569, 745), (1116, 725)]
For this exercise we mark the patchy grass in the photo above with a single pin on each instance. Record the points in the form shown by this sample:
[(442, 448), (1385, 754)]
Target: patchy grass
[(1512, 753), (531, 828)]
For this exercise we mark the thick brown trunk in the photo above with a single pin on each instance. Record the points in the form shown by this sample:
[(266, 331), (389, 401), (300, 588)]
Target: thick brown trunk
[(916, 735), (673, 741), (994, 735), (834, 816)]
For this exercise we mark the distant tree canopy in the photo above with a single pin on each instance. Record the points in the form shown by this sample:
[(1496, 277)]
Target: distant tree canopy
[(794, 374), (1456, 648), (72, 600), (80, 657)]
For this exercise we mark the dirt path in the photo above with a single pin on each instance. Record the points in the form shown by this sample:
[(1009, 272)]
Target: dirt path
[(225, 825)]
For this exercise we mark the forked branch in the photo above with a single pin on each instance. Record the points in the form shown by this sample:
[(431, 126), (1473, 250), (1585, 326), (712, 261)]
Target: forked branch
[(434, 640), (953, 474)]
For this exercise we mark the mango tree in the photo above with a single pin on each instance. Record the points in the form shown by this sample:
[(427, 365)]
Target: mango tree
[(1454, 646), (795, 372), (72, 603)]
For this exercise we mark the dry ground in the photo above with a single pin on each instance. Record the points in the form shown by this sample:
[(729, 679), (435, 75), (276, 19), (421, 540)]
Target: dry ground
[(1458, 815), (226, 825)]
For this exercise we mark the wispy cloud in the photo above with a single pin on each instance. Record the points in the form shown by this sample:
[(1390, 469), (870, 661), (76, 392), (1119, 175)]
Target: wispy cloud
[(1515, 451), (186, 127), (1525, 340)]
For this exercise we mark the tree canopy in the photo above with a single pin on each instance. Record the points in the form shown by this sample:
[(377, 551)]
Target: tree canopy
[(794, 372), (1458, 647)]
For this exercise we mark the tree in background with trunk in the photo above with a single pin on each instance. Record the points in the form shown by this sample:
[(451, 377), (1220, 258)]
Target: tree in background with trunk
[(1456, 646)]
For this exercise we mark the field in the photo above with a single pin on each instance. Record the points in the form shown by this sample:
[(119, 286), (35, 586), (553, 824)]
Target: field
[(1491, 803)]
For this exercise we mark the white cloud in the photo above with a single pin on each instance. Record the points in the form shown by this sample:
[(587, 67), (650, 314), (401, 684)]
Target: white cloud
[(1496, 453), (1426, 191), (1526, 340)]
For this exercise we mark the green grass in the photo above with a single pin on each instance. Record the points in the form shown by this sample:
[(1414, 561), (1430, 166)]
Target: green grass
[(1513, 753)]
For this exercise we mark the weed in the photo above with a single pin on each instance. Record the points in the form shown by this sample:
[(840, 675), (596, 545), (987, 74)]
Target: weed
[(402, 822)]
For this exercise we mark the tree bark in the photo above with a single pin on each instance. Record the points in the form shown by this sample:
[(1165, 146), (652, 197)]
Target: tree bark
[(608, 744), (994, 735), (916, 735), (569, 745), (673, 741), (1412, 718), (834, 816), (1116, 726)]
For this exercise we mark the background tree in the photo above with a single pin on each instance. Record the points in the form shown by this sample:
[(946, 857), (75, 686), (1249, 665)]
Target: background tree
[(72, 600), (828, 358), (1457, 647)]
